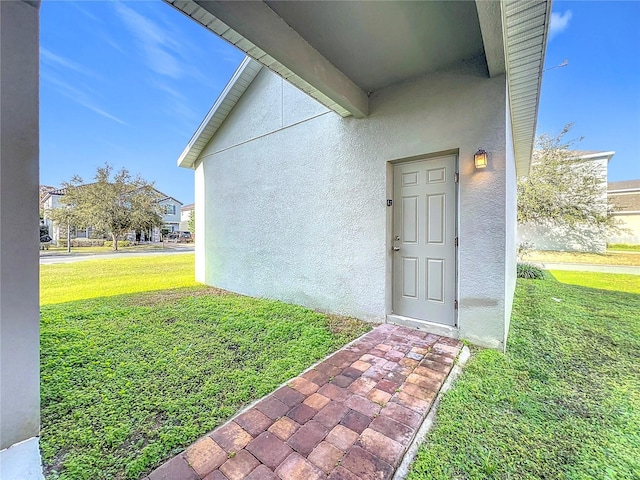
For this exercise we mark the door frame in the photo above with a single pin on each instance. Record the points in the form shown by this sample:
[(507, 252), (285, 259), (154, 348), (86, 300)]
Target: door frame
[(391, 317)]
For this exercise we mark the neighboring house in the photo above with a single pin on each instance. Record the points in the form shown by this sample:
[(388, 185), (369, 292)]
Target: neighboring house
[(577, 238), (171, 209), (51, 200), (185, 217), (625, 195), (336, 169)]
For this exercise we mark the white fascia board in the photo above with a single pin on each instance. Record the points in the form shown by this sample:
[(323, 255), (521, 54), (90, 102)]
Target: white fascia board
[(597, 156), (490, 17), (240, 81), (525, 31), (262, 34)]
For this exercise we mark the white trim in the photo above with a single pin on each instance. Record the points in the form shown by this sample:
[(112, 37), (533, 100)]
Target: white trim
[(240, 81), (596, 156), (624, 191), (526, 27), (262, 34), (256, 29)]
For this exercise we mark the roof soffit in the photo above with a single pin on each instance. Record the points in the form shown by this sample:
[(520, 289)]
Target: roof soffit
[(511, 33)]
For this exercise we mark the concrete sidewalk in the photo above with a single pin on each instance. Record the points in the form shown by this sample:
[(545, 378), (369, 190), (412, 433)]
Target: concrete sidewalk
[(584, 267), (48, 258), (352, 416)]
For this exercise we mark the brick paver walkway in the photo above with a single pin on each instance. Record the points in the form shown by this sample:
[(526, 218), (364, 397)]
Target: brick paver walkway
[(352, 416)]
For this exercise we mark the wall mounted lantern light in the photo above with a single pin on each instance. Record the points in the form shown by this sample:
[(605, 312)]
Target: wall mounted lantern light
[(480, 159)]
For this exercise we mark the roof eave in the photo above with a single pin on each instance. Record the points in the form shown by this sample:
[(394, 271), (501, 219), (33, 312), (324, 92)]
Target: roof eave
[(225, 102), (520, 20)]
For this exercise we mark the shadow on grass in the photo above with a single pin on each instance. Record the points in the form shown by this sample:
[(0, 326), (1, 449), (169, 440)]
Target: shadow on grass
[(128, 381)]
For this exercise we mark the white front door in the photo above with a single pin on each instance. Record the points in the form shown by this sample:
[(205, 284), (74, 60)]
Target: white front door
[(424, 237)]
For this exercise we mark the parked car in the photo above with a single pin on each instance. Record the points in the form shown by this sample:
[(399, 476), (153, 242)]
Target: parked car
[(179, 237), (45, 241)]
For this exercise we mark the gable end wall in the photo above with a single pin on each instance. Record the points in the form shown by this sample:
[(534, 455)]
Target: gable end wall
[(294, 196)]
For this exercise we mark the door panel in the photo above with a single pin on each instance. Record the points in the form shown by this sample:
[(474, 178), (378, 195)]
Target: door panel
[(424, 224)]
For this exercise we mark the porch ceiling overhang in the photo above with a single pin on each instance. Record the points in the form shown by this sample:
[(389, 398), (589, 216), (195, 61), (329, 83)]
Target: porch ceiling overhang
[(341, 52)]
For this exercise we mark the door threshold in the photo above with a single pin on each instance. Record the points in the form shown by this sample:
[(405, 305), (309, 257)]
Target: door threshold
[(429, 327)]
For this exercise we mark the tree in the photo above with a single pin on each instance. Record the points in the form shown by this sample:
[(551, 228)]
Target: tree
[(192, 222), (115, 205), (564, 191)]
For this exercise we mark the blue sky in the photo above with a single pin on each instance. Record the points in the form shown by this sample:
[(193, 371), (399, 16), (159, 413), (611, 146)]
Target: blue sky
[(126, 83), (129, 82), (599, 90)]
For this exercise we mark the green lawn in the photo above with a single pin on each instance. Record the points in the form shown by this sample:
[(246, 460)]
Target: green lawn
[(623, 247), (130, 380), (615, 282), (66, 282), (563, 403)]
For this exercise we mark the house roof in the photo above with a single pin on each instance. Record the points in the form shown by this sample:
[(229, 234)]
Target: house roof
[(623, 185), (188, 207), (341, 52), (626, 203)]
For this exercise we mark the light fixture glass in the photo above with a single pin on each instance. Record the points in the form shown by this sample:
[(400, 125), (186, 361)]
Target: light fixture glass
[(480, 159)]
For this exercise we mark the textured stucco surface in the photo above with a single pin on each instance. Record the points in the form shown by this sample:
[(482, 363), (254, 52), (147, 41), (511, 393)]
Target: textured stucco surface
[(511, 226), (298, 211), (19, 280)]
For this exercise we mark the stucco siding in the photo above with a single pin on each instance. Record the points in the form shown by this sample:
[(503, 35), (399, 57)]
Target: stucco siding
[(266, 106), (300, 214), (19, 193), (511, 225)]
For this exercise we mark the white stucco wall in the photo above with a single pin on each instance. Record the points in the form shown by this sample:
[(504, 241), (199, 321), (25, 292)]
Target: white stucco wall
[(580, 238), (511, 223), (19, 221), (291, 198)]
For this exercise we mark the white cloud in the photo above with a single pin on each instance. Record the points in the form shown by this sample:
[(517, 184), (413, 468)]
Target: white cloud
[(559, 23), (79, 96), (51, 59), (157, 45)]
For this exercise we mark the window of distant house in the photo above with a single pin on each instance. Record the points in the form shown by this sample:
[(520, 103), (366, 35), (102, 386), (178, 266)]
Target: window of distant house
[(170, 209)]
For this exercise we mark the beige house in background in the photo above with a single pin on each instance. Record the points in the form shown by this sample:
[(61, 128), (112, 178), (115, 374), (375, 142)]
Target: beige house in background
[(185, 216), (625, 195)]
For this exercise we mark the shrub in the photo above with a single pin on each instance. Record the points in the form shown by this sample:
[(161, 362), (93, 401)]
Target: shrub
[(81, 242), (121, 243), (527, 270)]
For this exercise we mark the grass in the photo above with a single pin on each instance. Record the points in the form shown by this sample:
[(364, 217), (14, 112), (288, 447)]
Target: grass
[(129, 380), (609, 258), (623, 247), (563, 403), (614, 282), (64, 282)]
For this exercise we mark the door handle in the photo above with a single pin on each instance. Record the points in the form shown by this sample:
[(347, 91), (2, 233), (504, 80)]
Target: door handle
[(395, 249)]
